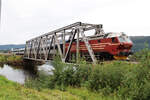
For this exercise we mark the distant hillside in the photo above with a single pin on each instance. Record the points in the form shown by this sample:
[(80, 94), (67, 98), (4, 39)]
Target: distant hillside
[(8, 47), (139, 42)]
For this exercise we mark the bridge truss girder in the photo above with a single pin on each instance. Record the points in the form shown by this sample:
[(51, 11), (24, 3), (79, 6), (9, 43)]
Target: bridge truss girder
[(42, 47)]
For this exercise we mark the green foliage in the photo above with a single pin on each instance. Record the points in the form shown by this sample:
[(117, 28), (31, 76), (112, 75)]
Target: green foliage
[(116, 79), (69, 74), (39, 83), (109, 77), (141, 55), (135, 83), (11, 59), (3, 58)]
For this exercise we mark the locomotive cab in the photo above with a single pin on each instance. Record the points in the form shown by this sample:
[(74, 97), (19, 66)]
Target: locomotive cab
[(124, 47), (125, 42)]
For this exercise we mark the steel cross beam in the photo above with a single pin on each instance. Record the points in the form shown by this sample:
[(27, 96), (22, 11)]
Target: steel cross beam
[(90, 26), (42, 47)]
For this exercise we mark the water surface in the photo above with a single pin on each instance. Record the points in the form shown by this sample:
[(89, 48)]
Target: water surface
[(18, 74)]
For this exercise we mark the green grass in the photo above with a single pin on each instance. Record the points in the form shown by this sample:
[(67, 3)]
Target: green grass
[(13, 91), (85, 94)]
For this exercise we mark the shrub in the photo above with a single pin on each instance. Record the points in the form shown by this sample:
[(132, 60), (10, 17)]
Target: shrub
[(135, 83), (13, 58), (108, 77), (70, 75), (122, 79), (3, 59), (40, 82)]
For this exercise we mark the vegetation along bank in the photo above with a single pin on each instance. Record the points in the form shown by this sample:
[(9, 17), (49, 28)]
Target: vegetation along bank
[(15, 60), (116, 80)]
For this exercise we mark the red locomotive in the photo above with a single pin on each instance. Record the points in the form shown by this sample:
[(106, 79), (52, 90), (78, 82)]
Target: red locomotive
[(109, 46), (70, 39)]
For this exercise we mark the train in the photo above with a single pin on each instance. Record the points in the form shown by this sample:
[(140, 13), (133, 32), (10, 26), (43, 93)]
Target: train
[(107, 47), (68, 40)]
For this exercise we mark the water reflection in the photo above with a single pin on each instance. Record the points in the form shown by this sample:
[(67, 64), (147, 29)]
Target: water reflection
[(17, 75), (46, 68), (20, 74)]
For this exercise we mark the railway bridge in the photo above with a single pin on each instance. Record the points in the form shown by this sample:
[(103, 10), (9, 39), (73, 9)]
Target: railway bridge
[(44, 47)]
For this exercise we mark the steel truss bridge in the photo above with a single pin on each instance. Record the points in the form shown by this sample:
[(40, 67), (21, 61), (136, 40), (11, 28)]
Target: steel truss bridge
[(44, 47)]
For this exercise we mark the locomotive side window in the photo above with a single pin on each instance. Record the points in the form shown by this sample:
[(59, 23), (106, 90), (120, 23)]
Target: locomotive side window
[(99, 41), (113, 40)]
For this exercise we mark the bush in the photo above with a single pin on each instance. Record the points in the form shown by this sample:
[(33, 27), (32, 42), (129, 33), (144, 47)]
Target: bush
[(3, 59), (135, 83), (13, 58), (40, 82), (107, 77), (70, 74), (122, 79)]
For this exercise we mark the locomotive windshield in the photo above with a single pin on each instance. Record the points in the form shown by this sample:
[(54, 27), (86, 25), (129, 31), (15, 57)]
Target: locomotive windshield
[(124, 39)]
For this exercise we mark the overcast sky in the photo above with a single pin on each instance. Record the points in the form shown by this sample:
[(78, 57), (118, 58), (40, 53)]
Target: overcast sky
[(26, 19)]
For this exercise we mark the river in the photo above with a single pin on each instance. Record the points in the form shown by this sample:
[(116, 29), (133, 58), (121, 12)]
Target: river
[(19, 74)]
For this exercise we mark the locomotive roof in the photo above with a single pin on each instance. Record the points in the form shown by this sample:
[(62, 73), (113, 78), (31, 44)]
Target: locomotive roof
[(108, 35), (115, 34)]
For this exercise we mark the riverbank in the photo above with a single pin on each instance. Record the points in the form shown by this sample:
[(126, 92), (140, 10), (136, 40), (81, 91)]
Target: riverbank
[(14, 60), (17, 60), (13, 91)]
